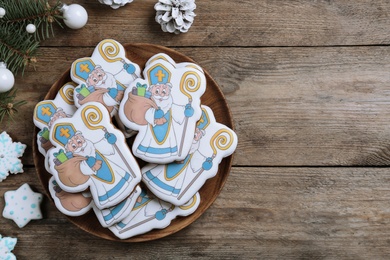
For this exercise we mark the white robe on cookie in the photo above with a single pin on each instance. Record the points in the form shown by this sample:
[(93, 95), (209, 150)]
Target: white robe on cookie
[(160, 140), (168, 179), (111, 181)]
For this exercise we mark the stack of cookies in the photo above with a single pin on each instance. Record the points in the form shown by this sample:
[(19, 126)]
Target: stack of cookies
[(92, 166)]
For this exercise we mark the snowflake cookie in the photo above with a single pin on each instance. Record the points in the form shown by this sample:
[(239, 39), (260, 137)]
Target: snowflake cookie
[(9, 153), (7, 244), (22, 205)]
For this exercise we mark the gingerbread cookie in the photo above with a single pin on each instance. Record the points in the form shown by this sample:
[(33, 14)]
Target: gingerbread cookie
[(104, 76), (91, 153), (178, 181), (22, 205), (150, 213), (47, 112), (164, 109), (70, 204)]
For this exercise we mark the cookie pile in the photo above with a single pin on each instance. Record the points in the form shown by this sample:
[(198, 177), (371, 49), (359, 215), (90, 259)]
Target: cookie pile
[(91, 164)]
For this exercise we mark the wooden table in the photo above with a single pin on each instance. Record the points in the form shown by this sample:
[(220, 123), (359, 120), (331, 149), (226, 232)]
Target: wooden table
[(308, 84)]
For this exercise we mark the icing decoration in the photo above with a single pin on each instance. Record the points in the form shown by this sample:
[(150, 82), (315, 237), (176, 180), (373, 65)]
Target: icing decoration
[(7, 244), (164, 108), (9, 154), (110, 216), (150, 213), (104, 76), (177, 182), (70, 204), (91, 153), (47, 112), (22, 205)]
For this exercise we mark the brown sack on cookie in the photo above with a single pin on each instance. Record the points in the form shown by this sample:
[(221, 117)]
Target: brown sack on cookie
[(136, 107), (96, 96), (73, 201), (69, 172)]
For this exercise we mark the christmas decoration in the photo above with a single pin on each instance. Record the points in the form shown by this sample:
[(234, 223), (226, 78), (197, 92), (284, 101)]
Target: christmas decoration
[(31, 28), (115, 4), (175, 16), (2, 12), (8, 107), (7, 244), (9, 153), (7, 79), (17, 48), (75, 16), (22, 205)]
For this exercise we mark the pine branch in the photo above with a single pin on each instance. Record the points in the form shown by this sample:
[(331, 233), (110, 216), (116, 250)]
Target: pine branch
[(17, 47), (8, 107)]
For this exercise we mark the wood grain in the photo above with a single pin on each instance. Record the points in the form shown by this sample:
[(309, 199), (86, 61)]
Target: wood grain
[(307, 82), (240, 23), (291, 106), (301, 213)]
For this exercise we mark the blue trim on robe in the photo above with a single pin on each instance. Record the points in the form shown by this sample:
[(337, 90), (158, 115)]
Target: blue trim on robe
[(173, 169), (114, 211), (104, 173), (121, 224), (161, 131), (161, 184), (157, 150), (115, 189)]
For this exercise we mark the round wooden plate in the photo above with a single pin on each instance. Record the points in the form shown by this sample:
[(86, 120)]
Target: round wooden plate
[(213, 97)]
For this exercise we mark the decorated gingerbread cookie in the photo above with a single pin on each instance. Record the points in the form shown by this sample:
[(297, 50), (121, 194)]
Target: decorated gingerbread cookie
[(9, 156), (162, 56), (178, 181), (164, 108), (150, 213), (104, 76), (47, 112), (91, 153), (70, 204), (77, 204), (7, 244), (111, 216), (22, 205)]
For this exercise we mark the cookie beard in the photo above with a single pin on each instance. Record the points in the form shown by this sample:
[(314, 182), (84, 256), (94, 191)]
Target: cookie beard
[(88, 149), (165, 104)]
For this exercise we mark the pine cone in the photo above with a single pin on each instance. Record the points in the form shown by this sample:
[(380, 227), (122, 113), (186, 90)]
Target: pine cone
[(175, 16), (115, 4)]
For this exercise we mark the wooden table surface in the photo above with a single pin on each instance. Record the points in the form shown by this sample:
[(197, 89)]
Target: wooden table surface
[(308, 85)]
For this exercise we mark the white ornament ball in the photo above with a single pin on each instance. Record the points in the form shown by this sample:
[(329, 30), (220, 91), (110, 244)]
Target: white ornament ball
[(75, 16), (31, 28), (7, 79), (2, 12)]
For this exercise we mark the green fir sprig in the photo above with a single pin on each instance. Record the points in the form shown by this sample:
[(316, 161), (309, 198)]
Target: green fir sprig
[(18, 47), (8, 105)]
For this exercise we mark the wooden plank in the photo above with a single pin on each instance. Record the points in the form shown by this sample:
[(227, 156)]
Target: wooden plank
[(304, 213), (291, 106), (239, 23)]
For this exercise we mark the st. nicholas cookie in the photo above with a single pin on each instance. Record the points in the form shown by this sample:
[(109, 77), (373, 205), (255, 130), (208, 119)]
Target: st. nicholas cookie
[(77, 204), (164, 108), (178, 181), (104, 76), (70, 204), (47, 112), (91, 153), (162, 56), (150, 213)]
